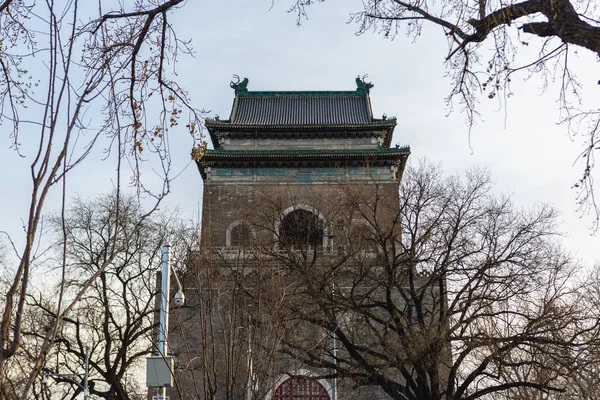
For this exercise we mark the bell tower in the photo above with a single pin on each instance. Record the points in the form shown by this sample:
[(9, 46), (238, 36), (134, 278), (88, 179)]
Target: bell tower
[(301, 142), (283, 165)]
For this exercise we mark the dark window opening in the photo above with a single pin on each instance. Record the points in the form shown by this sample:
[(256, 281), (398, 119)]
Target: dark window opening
[(241, 235), (301, 229)]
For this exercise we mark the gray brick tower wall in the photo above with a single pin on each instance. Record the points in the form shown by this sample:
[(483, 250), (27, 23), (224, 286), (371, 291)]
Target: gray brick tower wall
[(281, 152)]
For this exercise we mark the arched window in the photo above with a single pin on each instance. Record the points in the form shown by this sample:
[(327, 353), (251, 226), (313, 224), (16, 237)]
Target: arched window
[(300, 389), (301, 229), (239, 234)]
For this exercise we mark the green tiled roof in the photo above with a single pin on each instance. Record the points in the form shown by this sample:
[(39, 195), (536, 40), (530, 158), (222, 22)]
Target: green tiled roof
[(379, 156), (300, 110), (303, 108), (307, 153), (318, 113)]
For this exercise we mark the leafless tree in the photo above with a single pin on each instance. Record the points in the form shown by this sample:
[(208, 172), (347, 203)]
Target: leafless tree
[(115, 318), (484, 38), (456, 294), (18, 368), (585, 381), (81, 79), (225, 339)]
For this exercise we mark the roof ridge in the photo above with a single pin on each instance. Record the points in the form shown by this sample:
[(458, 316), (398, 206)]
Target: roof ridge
[(303, 93)]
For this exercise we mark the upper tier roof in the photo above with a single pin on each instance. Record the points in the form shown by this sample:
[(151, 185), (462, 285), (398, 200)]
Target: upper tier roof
[(314, 113), (295, 119), (301, 108)]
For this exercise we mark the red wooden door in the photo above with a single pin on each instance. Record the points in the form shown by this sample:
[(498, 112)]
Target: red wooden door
[(300, 389)]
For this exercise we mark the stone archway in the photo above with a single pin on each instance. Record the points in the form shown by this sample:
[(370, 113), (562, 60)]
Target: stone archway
[(300, 389)]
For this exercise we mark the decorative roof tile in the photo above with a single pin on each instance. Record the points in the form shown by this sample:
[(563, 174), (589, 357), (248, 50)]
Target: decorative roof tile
[(301, 110)]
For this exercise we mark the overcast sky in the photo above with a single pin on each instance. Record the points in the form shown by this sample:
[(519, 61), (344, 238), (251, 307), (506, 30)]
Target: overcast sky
[(528, 154)]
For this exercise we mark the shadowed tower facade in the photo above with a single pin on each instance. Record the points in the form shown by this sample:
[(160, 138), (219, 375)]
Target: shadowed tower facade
[(283, 192)]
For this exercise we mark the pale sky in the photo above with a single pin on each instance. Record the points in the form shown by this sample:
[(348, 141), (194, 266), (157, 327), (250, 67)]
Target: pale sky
[(529, 156)]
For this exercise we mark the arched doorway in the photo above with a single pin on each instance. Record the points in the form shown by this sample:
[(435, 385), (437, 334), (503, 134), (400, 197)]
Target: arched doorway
[(300, 389)]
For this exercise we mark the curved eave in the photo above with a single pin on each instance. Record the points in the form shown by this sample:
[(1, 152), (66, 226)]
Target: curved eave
[(225, 125), (306, 153), (275, 158)]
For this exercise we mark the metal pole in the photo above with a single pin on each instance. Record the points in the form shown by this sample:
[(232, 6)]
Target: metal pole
[(86, 372), (249, 381), (334, 353), (164, 310), (252, 382), (334, 388)]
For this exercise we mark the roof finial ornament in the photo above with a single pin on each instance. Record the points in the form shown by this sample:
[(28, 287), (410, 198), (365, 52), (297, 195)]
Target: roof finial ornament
[(239, 87), (362, 86)]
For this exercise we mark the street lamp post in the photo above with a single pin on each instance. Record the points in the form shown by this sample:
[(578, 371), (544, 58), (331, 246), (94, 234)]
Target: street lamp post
[(83, 385), (155, 370), (164, 311)]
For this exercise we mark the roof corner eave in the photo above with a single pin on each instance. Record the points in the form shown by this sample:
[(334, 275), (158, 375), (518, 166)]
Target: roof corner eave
[(389, 136), (201, 169)]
